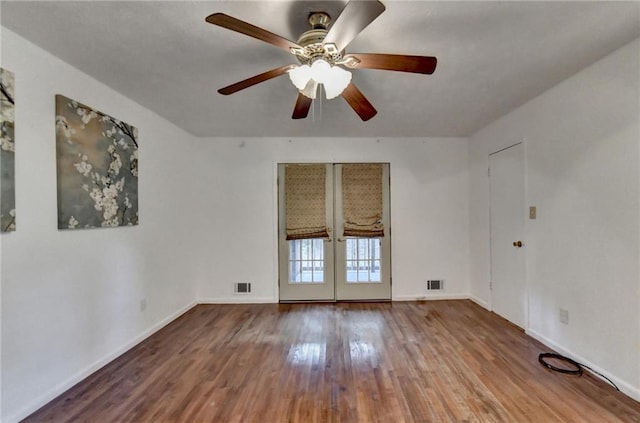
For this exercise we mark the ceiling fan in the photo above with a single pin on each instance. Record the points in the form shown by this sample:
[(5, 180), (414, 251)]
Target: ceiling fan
[(320, 52)]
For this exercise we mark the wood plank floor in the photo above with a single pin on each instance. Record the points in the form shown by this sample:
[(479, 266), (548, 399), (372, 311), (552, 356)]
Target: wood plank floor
[(437, 361)]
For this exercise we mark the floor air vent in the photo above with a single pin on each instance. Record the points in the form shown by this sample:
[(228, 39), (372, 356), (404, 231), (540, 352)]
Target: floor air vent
[(434, 285), (242, 288)]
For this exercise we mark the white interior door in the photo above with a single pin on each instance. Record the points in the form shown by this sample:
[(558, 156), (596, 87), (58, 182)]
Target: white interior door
[(338, 268), (507, 210)]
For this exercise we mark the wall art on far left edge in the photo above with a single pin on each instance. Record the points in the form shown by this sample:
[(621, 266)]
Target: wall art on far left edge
[(7, 152), (97, 168)]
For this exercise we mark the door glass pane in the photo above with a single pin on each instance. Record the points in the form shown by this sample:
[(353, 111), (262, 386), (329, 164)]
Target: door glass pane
[(306, 261), (363, 260)]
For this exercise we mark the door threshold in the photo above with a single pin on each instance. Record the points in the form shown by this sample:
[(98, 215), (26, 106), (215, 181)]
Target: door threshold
[(365, 301), (333, 301), (305, 301)]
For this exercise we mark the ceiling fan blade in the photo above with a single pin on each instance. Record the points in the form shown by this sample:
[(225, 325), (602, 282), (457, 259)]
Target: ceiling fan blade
[(303, 104), (249, 82), (394, 62), (358, 102), (245, 28), (355, 17)]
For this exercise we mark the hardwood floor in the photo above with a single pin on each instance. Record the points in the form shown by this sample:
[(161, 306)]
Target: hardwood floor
[(437, 361)]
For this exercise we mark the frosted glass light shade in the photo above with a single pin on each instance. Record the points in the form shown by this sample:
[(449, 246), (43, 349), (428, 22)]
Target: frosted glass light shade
[(300, 76), (339, 80), (333, 78)]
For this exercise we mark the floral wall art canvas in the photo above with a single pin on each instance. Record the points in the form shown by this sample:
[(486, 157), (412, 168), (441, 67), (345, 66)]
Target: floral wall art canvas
[(7, 152), (97, 160)]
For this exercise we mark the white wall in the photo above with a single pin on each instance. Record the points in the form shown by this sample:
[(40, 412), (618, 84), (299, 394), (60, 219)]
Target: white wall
[(583, 167), (429, 212), (71, 299)]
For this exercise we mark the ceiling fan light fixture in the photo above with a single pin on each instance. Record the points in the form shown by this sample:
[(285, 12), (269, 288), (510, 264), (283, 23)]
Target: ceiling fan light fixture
[(321, 52), (333, 78)]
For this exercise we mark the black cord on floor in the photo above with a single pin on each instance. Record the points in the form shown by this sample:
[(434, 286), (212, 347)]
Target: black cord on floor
[(577, 370)]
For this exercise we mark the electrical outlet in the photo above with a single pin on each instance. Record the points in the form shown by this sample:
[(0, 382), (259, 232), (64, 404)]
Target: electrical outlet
[(564, 316), (143, 304)]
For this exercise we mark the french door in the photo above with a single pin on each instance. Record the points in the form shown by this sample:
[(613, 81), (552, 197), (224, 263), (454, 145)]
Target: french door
[(335, 266)]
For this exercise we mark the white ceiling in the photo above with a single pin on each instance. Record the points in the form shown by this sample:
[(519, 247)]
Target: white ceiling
[(492, 57)]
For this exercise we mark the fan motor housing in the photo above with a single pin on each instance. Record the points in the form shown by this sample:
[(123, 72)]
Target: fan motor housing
[(311, 42), (313, 36)]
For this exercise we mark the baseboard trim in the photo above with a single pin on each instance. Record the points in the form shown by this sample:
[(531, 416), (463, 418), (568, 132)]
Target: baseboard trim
[(244, 299), (238, 299), (430, 297), (625, 387), (480, 302), (62, 387)]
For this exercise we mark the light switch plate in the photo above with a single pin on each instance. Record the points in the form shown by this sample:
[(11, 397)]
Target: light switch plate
[(532, 212), (564, 316)]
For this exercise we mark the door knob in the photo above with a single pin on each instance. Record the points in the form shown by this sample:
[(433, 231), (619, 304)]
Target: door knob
[(517, 244)]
